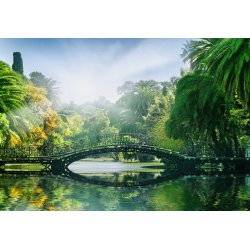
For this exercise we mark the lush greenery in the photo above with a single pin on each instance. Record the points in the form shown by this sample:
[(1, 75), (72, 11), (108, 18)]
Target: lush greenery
[(207, 106), (212, 99), (31, 112)]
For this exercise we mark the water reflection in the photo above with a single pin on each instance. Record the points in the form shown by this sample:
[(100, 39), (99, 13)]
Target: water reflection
[(188, 193), (93, 167)]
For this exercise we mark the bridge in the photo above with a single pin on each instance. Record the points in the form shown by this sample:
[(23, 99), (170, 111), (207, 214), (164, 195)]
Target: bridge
[(56, 159)]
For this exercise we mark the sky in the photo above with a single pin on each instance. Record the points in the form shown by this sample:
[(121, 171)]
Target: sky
[(86, 69)]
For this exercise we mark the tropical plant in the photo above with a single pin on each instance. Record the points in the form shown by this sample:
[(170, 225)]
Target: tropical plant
[(139, 96), (12, 92), (12, 102), (201, 114), (228, 60)]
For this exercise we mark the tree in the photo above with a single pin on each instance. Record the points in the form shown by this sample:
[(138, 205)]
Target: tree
[(160, 138), (228, 60), (12, 91), (47, 83), (17, 62), (196, 52), (12, 102), (201, 114), (46, 117), (95, 124), (138, 97), (139, 101)]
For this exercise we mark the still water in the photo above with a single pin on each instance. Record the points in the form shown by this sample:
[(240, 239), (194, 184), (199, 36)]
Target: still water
[(89, 167), (63, 194)]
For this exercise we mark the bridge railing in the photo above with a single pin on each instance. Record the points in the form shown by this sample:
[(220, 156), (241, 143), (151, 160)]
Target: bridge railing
[(19, 152), (104, 140)]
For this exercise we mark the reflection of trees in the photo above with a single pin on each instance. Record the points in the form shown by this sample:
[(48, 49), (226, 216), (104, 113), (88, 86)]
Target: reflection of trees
[(57, 193), (33, 194), (168, 196), (210, 193), (220, 193), (51, 193)]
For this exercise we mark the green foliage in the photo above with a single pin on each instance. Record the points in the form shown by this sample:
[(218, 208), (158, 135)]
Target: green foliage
[(196, 52), (228, 60), (17, 63), (138, 97), (202, 114), (196, 96), (206, 106), (84, 123), (12, 102), (140, 107), (4, 126), (230, 63), (12, 89), (160, 138), (66, 132), (143, 103)]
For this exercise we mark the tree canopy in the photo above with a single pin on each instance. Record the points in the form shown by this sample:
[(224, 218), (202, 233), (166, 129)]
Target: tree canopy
[(213, 94)]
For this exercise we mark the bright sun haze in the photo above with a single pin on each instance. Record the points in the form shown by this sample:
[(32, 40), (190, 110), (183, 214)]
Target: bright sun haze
[(89, 68)]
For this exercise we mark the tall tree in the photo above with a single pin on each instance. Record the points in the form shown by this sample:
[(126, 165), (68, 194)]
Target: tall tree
[(202, 114), (17, 62)]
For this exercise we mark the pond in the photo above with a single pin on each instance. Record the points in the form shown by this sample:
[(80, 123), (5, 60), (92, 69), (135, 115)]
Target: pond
[(99, 167), (18, 193)]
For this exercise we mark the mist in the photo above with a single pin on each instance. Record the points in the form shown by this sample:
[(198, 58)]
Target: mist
[(86, 69)]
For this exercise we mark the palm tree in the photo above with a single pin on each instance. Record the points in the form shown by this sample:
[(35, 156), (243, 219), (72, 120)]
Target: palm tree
[(228, 60), (11, 89), (139, 97), (196, 52), (12, 101)]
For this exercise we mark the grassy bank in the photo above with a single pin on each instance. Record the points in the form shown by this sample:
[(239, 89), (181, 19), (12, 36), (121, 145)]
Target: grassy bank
[(23, 167)]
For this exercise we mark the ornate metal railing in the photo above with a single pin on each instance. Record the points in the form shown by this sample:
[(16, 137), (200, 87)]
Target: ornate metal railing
[(48, 150), (103, 140)]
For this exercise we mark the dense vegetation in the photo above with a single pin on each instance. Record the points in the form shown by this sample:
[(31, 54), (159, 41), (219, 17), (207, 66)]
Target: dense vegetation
[(212, 100), (207, 106)]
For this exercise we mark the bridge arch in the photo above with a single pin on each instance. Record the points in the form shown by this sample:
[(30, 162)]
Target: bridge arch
[(70, 158), (56, 159), (62, 166)]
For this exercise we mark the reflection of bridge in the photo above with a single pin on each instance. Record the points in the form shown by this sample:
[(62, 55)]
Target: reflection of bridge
[(57, 159)]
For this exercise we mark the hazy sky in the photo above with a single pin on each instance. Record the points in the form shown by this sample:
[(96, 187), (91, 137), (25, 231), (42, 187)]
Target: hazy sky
[(89, 68)]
